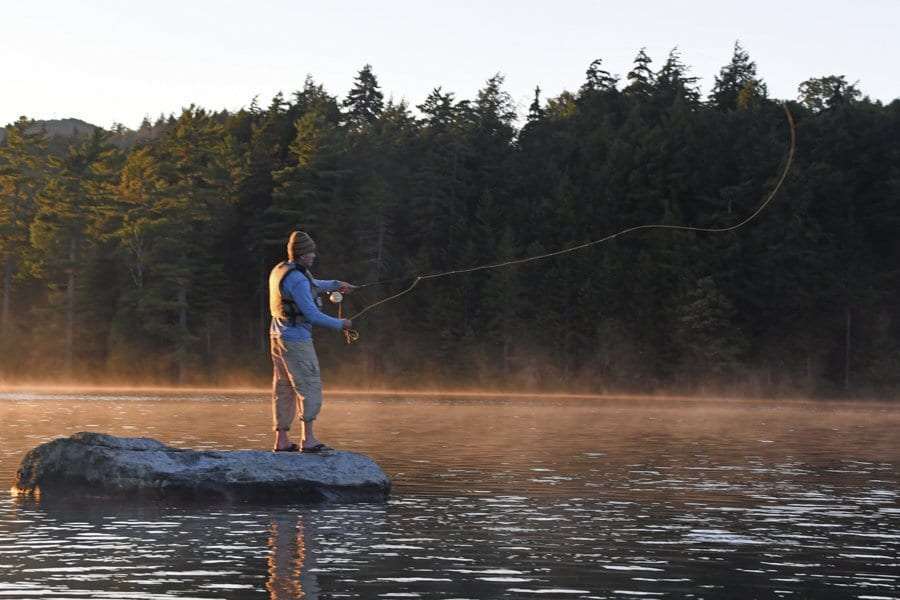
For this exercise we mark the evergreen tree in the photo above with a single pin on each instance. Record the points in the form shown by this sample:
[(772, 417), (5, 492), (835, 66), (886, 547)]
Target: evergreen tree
[(23, 169), (598, 79), (707, 341), (535, 111), (820, 93), (139, 234), (438, 109), (673, 84), (736, 85), (308, 188), (495, 110), (641, 78), (62, 231), (191, 211), (437, 185), (364, 102)]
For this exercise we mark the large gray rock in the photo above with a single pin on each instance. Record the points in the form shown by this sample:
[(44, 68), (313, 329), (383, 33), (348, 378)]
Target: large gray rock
[(105, 465)]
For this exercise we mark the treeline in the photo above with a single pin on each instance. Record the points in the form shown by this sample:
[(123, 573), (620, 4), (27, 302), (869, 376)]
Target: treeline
[(147, 261)]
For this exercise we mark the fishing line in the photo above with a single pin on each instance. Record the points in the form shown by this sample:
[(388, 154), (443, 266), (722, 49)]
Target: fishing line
[(518, 261)]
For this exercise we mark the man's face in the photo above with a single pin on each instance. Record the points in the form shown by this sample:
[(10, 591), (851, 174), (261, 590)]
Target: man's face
[(306, 259)]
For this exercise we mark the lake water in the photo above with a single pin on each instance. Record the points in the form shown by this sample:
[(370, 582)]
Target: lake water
[(492, 498)]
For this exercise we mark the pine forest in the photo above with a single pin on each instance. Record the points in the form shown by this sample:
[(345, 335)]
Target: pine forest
[(142, 256)]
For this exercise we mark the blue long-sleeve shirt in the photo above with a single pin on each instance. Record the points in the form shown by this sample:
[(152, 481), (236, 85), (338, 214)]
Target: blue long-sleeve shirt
[(296, 286)]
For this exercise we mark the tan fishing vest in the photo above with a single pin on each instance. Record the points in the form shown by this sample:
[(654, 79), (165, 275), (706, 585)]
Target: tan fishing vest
[(283, 307)]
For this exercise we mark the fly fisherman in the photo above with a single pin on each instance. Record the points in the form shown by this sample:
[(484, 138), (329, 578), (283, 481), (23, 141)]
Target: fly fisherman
[(295, 306)]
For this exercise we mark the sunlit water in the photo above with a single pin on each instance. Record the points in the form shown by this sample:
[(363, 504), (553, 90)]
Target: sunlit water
[(492, 498)]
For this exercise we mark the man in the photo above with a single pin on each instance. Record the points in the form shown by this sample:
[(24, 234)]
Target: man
[(295, 306)]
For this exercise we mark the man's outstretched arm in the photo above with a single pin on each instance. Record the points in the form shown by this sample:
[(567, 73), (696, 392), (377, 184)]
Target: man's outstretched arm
[(300, 292)]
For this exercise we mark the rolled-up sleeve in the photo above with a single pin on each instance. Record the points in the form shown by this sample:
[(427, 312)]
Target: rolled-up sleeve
[(298, 286)]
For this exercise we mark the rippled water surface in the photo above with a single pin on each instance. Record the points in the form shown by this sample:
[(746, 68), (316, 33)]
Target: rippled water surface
[(492, 498)]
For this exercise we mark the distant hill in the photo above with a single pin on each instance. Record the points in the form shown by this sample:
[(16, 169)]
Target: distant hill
[(59, 128), (61, 131)]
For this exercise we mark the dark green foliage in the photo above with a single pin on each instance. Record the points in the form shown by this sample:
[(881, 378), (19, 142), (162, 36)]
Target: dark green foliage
[(23, 173), (672, 83), (640, 77), (66, 241), (535, 111), (597, 78), (832, 91), (737, 86), (144, 255), (365, 101)]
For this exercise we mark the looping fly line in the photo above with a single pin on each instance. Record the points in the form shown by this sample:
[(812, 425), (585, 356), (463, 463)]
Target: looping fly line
[(518, 261)]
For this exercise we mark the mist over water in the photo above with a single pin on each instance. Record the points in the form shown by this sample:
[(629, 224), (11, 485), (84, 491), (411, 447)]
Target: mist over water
[(494, 497)]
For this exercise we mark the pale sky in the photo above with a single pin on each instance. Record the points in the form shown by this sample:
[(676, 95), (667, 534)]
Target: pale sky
[(115, 61)]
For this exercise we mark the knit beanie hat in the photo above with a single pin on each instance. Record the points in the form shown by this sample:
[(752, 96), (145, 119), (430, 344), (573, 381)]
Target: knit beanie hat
[(299, 244)]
